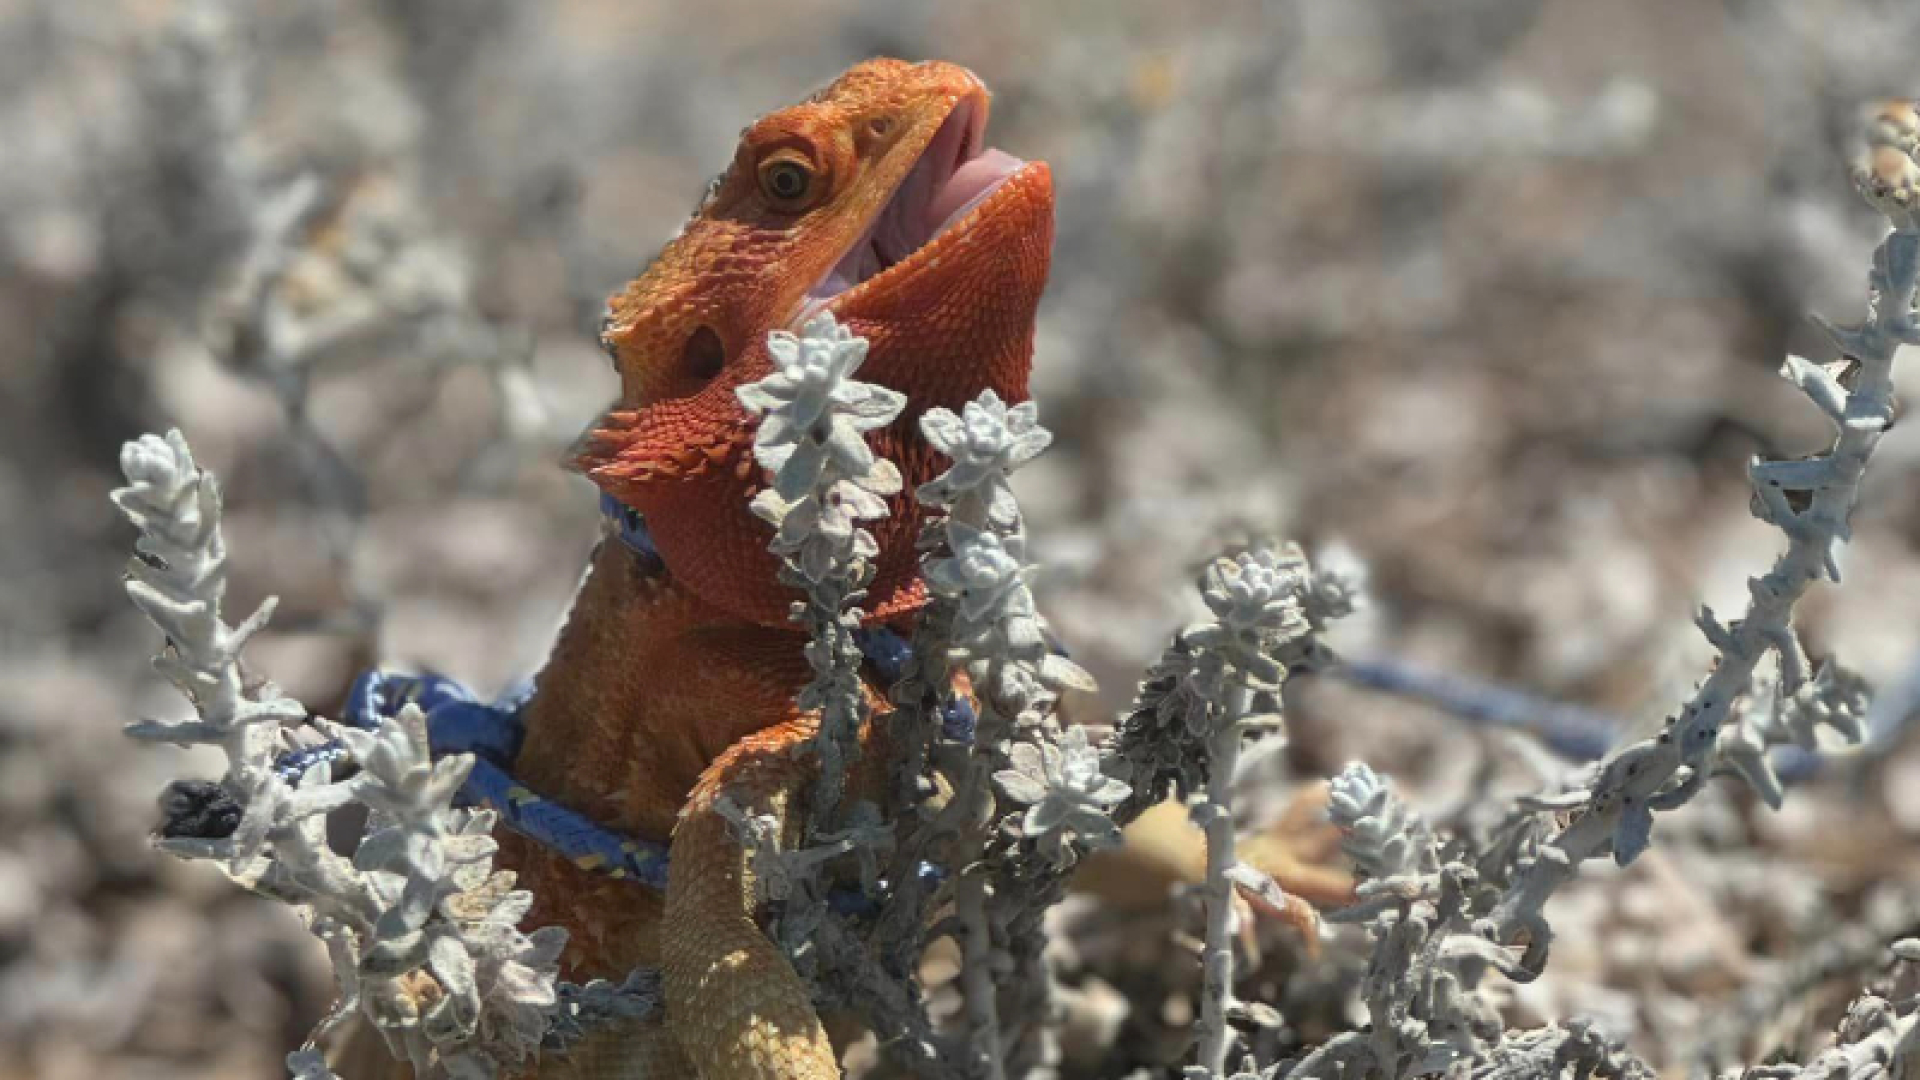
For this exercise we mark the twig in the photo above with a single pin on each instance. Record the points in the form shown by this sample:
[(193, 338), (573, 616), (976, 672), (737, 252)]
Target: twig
[(1215, 817)]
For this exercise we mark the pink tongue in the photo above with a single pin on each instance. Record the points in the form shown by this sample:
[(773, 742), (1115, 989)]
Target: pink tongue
[(972, 179)]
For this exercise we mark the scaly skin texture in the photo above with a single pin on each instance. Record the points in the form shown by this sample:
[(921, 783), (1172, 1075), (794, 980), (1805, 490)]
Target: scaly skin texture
[(670, 689)]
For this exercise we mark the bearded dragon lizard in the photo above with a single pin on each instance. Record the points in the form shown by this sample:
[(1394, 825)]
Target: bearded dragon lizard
[(673, 682)]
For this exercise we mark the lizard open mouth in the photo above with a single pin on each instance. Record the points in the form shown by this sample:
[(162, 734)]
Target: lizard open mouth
[(948, 185)]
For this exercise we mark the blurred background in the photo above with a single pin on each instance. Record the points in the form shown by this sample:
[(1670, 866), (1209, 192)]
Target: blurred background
[(1487, 295)]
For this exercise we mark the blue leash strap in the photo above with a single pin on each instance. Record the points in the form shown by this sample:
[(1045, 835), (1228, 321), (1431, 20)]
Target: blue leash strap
[(457, 722), (565, 832), (460, 723)]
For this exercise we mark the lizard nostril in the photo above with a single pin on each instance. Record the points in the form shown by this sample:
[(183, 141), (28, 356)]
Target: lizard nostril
[(703, 355)]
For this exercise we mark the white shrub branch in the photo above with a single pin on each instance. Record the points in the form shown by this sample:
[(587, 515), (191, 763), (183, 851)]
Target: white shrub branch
[(423, 934)]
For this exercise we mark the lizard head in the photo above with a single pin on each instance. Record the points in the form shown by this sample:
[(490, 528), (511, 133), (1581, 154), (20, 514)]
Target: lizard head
[(875, 199)]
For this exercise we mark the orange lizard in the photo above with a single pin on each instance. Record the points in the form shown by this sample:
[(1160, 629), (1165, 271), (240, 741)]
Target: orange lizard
[(674, 681), (669, 687)]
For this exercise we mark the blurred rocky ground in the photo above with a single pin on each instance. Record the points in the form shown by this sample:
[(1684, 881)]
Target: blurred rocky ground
[(1488, 294)]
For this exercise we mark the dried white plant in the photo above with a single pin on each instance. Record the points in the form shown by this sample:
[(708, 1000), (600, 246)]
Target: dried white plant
[(1443, 917), (422, 932)]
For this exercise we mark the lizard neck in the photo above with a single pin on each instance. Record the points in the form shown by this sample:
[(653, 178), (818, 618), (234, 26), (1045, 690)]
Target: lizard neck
[(599, 693), (704, 530)]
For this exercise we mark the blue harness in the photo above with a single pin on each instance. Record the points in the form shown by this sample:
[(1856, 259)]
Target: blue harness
[(459, 723)]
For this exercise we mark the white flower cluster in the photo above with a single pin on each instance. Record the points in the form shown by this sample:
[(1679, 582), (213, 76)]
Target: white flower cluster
[(826, 480), (996, 626), (1066, 795), (812, 438), (442, 912), (986, 442), (1269, 609), (1380, 833), (1257, 599), (423, 934)]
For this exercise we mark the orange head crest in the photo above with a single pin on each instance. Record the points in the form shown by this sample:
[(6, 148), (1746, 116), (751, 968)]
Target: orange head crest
[(877, 200)]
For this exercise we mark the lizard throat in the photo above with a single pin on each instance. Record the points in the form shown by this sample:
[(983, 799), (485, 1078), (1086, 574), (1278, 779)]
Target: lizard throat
[(946, 190)]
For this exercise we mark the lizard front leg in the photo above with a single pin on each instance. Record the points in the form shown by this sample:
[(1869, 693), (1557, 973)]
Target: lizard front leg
[(734, 1003)]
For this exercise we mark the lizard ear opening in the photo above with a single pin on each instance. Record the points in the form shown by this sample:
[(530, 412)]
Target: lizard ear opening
[(703, 355)]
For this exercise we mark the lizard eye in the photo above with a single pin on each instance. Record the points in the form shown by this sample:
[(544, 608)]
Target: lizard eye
[(788, 180)]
